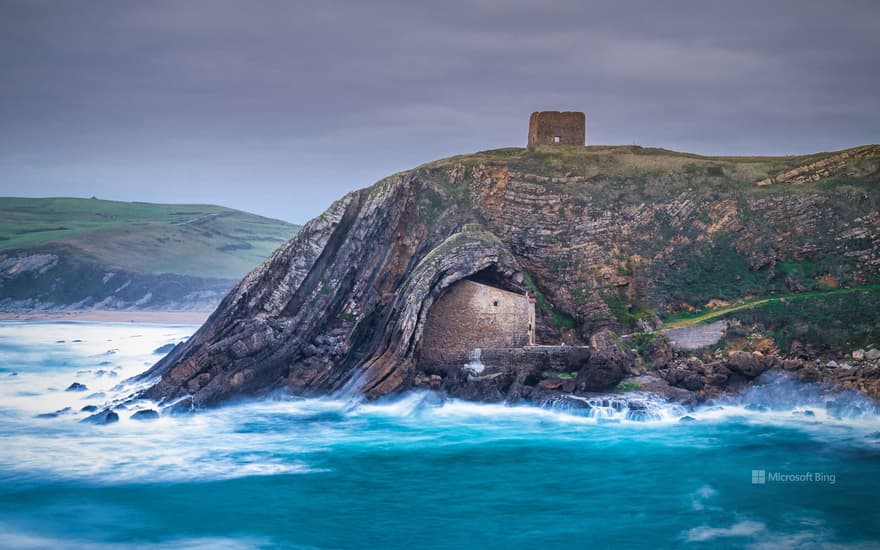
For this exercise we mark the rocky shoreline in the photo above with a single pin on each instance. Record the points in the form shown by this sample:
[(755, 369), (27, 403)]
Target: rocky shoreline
[(544, 374)]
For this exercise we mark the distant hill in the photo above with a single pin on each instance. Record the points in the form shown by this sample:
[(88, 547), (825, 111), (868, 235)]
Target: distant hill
[(68, 253)]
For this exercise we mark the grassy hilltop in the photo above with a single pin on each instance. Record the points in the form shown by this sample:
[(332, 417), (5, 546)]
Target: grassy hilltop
[(187, 239), (187, 247)]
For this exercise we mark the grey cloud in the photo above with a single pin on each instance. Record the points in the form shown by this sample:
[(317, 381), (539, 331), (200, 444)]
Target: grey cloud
[(279, 107)]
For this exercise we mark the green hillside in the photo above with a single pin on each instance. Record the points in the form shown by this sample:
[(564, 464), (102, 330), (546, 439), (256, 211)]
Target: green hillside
[(184, 239)]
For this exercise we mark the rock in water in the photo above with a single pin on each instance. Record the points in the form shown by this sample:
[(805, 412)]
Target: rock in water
[(745, 363), (162, 350), (54, 414), (104, 417), (610, 360), (76, 386), (146, 414)]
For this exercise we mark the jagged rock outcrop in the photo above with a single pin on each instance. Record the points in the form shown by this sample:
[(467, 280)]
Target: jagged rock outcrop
[(605, 238), (609, 361)]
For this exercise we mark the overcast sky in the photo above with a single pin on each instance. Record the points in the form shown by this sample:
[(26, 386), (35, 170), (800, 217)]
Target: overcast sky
[(279, 107)]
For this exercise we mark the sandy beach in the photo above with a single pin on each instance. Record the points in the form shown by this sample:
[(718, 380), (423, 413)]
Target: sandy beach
[(114, 316)]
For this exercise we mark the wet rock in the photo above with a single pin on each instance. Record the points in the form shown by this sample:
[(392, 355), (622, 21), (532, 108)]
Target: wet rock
[(687, 418), (551, 383), (792, 364), (145, 414), (566, 402), (609, 361), (104, 417), (684, 377), (89, 408), (745, 364), (183, 405), (76, 386), (810, 374), (772, 362), (162, 350), (54, 414)]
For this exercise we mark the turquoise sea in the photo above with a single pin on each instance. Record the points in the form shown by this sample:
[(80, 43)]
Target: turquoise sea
[(417, 471)]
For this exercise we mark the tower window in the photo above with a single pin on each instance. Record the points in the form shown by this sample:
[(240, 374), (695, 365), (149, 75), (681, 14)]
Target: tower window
[(556, 139), (495, 303)]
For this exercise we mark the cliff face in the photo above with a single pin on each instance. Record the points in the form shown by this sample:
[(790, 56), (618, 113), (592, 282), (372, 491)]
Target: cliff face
[(605, 237)]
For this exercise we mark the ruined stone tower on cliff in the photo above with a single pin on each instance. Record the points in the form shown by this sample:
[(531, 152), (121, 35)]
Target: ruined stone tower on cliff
[(557, 128)]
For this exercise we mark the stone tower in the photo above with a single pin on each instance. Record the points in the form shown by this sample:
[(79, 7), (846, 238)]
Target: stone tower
[(557, 128)]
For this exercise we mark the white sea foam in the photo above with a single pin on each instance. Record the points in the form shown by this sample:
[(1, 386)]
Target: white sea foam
[(284, 435), (17, 539), (739, 529)]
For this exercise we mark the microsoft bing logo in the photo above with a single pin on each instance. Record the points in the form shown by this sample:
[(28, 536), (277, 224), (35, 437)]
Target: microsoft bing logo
[(759, 477)]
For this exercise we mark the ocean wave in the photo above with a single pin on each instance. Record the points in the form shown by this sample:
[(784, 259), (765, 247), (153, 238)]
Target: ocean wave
[(18, 539), (287, 436)]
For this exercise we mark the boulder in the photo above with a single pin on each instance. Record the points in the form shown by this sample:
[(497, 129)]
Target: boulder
[(76, 386), (162, 350), (145, 414), (792, 364), (872, 354), (858, 354), (89, 408), (685, 378), (54, 414), (717, 374), (104, 417), (609, 361), (658, 352), (745, 364)]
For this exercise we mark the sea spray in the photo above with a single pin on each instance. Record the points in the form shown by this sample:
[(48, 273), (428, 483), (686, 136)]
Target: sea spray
[(343, 472)]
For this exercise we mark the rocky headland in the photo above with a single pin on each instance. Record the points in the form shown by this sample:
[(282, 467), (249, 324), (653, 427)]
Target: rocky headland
[(616, 247)]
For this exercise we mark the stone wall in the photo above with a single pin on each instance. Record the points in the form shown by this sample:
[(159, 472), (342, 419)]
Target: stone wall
[(557, 128), (529, 358), (473, 315)]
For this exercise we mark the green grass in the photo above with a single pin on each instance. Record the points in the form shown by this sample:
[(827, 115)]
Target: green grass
[(830, 321), (560, 375), (629, 386), (183, 239), (696, 318)]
